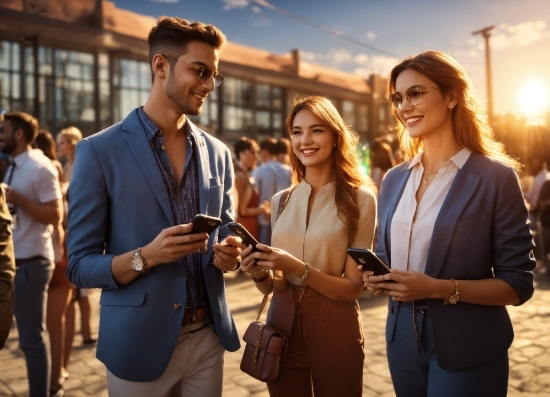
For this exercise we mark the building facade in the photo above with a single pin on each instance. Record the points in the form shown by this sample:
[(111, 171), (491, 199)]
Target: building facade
[(84, 63)]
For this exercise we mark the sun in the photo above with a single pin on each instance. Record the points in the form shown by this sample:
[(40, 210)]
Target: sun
[(533, 99)]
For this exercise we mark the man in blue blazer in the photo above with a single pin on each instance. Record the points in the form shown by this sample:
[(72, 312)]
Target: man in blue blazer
[(134, 190)]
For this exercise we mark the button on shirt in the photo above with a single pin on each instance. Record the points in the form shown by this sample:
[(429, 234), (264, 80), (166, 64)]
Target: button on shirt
[(35, 177), (412, 225), (184, 199)]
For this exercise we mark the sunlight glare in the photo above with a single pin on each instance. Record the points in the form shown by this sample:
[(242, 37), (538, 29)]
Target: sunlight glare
[(533, 99)]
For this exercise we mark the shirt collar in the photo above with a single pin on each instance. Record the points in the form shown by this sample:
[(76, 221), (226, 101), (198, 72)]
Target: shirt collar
[(151, 130), (458, 159), (22, 158)]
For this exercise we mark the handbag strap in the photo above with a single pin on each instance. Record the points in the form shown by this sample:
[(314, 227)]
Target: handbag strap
[(283, 200), (264, 301)]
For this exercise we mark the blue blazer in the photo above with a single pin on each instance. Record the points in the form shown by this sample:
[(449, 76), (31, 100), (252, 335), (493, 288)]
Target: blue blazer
[(117, 203), (482, 231)]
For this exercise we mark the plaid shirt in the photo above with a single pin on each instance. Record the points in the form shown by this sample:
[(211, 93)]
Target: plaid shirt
[(184, 198)]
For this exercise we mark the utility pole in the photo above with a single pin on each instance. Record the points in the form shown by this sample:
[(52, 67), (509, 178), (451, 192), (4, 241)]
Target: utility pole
[(485, 32)]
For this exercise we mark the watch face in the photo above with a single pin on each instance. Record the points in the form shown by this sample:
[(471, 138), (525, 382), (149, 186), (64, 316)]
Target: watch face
[(137, 263)]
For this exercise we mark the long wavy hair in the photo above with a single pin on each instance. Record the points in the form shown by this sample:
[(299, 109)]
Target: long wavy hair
[(470, 121), (345, 162)]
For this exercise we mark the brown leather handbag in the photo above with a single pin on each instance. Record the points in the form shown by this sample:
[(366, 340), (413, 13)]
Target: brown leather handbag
[(264, 350), (266, 345)]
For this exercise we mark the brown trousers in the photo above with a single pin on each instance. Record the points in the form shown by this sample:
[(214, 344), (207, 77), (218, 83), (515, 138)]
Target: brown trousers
[(325, 352)]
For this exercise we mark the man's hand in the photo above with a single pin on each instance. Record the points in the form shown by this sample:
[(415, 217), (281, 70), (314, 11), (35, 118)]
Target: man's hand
[(173, 243), (227, 253)]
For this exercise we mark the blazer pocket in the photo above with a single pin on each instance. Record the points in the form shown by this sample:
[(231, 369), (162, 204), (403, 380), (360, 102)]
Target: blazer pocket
[(215, 196), (472, 220), (123, 297)]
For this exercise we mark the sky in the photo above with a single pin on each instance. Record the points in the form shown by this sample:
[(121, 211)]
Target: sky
[(390, 30)]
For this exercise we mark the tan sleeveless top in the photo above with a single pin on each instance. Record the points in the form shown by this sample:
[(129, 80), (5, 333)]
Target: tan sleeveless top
[(324, 242)]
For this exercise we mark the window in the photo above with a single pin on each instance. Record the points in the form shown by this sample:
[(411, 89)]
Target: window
[(10, 78), (131, 86)]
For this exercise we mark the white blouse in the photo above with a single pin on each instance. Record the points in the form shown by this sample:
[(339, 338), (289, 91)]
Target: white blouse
[(413, 223)]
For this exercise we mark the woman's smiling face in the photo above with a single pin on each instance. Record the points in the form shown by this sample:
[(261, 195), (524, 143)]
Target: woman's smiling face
[(312, 141), (431, 113)]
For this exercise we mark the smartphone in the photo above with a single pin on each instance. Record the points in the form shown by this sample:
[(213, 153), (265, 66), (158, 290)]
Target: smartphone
[(368, 260), (204, 223), (244, 234)]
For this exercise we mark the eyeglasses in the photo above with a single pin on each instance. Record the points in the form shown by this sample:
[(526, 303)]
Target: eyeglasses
[(203, 73), (413, 96)]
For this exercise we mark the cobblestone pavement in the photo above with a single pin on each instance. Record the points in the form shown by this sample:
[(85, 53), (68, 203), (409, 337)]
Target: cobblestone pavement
[(529, 354)]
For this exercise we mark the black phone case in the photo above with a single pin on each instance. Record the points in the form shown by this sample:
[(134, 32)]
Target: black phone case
[(204, 223), (368, 260), (244, 234)]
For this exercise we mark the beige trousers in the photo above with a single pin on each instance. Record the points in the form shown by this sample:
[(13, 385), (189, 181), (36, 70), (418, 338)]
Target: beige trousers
[(196, 363)]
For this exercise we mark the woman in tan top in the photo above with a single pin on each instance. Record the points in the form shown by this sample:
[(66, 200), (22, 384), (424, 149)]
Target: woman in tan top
[(328, 211)]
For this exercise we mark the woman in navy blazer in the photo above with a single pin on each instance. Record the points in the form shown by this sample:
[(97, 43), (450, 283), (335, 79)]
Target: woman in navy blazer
[(453, 227)]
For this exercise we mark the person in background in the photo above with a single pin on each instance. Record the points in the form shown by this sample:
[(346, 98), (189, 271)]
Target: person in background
[(330, 210), (7, 270), (248, 207), (66, 141), (270, 178), (35, 201), (453, 227), (60, 288), (135, 189), (381, 160), (283, 149)]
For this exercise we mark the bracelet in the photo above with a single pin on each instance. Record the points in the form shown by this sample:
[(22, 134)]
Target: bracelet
[(261, 279), (304, 275)]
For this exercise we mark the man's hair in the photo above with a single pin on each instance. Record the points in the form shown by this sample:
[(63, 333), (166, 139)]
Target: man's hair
[(24, 121), (282, 146), (269, 144), (71, 134), (172, 35), (243, 144)]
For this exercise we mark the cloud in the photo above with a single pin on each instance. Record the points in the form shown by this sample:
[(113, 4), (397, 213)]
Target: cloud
[(165, 1), (520, 35), (231, 4), (308, 56), (339, 56), (260, 22), (373, 64), (370, 35), (256, 10)]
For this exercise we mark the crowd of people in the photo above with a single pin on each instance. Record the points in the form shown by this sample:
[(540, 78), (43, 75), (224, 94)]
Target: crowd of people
[(450, 221), (35, 188)]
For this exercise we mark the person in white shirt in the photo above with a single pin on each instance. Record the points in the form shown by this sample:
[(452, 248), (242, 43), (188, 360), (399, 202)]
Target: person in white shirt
[(33, 195), (453, 227), (271, 177)]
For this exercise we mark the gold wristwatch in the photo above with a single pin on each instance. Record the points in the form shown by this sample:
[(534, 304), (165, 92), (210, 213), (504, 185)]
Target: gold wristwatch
[(138, 262), (454, 297)]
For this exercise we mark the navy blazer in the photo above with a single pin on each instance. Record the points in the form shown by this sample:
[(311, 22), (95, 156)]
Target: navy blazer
[(117, 203), (482, 231)]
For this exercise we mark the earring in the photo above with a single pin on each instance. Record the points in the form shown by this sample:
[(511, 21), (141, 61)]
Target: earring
[(334, 145), (161, 74)]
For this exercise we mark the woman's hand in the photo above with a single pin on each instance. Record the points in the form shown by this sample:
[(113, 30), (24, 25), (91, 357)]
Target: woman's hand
[(271, 258), (401, 285)]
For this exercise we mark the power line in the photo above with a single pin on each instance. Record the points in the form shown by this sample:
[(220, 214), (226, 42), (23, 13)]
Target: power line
[(333, 32)]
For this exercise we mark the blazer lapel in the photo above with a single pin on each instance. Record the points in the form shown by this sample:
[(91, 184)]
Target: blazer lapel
[(203, 161), (460, 193), (143, 153)]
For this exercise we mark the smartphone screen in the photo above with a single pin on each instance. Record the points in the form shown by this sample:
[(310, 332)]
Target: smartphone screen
[(368, 260)]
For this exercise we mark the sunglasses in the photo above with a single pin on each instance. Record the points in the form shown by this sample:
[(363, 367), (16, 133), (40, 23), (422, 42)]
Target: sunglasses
[(413, 96), (202, 72)]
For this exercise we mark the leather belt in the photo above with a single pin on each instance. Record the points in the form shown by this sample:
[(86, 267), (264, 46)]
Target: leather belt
[(200, 315), (19, 262)]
